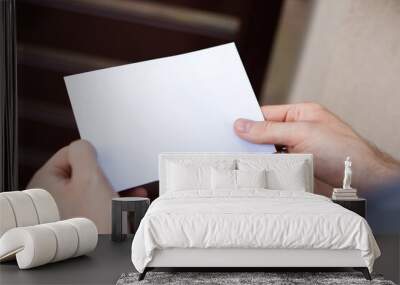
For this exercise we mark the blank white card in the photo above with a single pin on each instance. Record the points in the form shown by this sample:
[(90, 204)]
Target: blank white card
[(183, 103)]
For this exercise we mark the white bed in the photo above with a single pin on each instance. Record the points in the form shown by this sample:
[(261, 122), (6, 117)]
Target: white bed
[(274, 226)]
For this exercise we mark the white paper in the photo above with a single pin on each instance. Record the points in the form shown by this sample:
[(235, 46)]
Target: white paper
[(183, 103)]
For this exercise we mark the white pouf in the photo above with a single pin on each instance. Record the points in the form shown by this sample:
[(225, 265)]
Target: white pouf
[(7, 218), (23, 208), (45, 205), (30, 230), (87, 233), (33, 246), (40, 244), (67, 239)]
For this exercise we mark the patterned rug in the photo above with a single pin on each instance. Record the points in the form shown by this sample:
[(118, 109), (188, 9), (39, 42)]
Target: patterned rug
[(232, 278)]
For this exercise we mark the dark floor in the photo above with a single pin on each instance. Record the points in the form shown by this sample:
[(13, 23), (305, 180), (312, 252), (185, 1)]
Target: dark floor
[(102, 266), (110, 260), (389, 262)]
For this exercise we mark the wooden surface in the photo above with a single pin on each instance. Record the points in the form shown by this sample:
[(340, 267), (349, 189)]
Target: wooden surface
[(358, 206)]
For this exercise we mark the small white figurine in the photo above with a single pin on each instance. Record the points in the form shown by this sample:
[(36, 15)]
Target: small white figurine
[(347, 174)]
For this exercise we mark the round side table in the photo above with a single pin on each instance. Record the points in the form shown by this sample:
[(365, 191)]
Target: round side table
[(137, 205)]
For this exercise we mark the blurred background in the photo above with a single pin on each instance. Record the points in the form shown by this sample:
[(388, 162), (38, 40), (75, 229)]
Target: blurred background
[(344, 54), (62, 37)]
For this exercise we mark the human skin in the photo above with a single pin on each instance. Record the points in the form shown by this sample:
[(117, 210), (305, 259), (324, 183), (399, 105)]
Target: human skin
[(311, 128), (76, 181)]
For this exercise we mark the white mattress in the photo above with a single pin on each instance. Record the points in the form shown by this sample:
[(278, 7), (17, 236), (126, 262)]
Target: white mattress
[(258, 219)]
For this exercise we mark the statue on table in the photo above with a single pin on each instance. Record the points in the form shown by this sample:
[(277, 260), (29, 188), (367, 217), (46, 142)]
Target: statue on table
[(346, 192), (347, 174)]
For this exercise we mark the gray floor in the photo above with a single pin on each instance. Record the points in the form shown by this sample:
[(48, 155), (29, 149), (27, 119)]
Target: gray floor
[(389, 262), (110, 260), (103, 266)]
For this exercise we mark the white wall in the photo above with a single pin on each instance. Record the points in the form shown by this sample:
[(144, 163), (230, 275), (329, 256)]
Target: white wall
[(351, 64)]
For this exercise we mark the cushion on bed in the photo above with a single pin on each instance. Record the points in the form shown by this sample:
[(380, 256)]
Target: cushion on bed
[(251, 178), (227, 179), (223, 179), (292, 179), (188, 177), (187, 174), (281, 174)]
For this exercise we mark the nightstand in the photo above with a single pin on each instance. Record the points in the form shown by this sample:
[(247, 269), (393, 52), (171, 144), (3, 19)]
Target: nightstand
[(137, 205), (358, 206)]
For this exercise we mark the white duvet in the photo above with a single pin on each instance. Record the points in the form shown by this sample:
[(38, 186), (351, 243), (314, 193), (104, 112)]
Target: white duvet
[(250, 219)]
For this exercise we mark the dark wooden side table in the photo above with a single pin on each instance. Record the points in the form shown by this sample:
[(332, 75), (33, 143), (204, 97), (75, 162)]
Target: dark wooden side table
[(137, 205), (358, 206)]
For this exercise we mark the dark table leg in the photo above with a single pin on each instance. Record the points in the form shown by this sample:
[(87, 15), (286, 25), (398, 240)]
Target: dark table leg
[(116, 221), (140, 211)]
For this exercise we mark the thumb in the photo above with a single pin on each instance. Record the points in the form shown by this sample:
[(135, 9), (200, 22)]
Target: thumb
[(270, 132)]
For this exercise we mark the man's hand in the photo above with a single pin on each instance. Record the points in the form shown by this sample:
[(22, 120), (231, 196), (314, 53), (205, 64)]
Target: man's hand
[(310, 128), (75, 180)]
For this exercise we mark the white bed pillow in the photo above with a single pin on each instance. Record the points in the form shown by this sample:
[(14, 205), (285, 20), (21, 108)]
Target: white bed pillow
[(281, 174), (293, 179), (237, 179), (251, 178), (188, 177), (223, 179), (193, 174)]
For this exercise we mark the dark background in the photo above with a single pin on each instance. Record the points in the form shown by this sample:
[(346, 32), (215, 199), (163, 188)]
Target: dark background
[(56, 38)]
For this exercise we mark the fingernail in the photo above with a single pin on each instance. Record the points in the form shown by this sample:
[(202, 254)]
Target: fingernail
[(243, 125)]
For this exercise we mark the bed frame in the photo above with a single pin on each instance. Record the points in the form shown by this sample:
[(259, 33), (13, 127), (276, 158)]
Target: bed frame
[(250, 259)]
